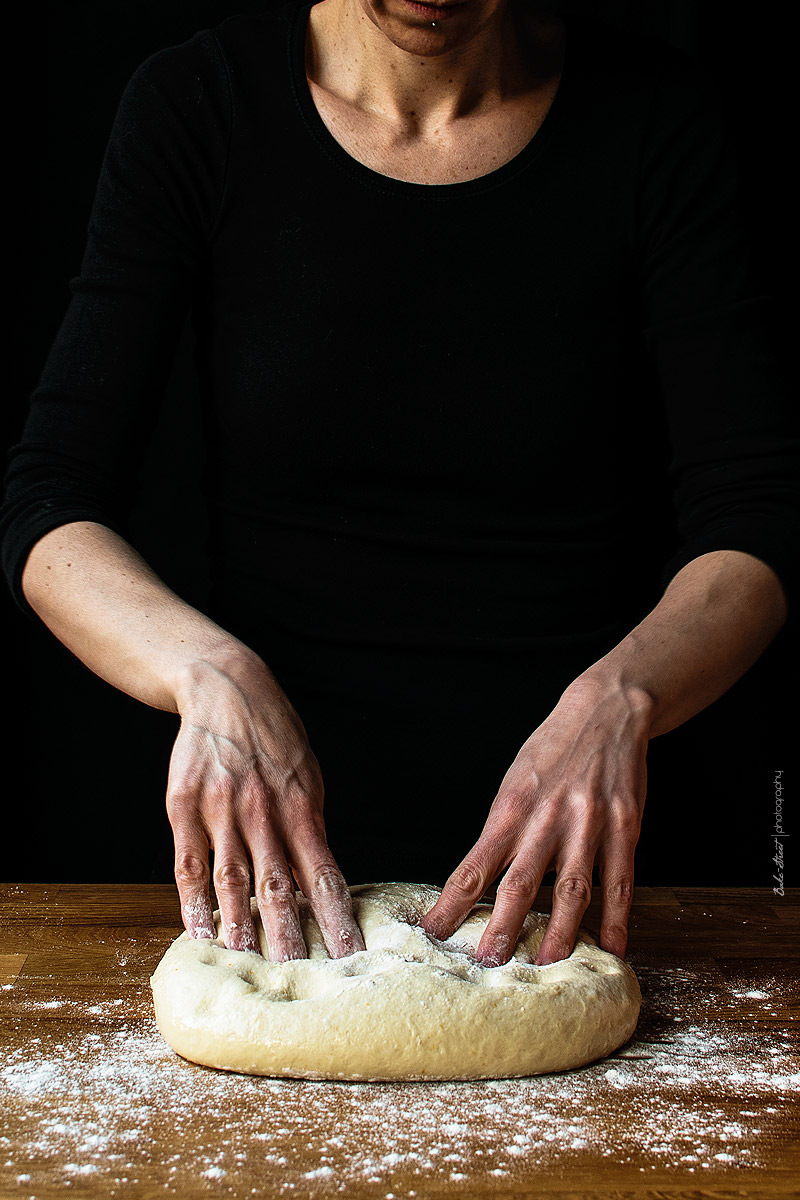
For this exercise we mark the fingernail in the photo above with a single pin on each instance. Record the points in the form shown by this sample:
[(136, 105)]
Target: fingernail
[(552, 957), (489, 960), (247, 936), (289, 956), (434, 930), (250, 940), (346, 943), (498, 954)]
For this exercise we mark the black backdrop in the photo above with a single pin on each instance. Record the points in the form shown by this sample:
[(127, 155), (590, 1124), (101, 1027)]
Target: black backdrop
[(85, 766)]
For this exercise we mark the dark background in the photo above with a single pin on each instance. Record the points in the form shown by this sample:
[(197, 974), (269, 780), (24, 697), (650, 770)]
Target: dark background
[(85, 766)]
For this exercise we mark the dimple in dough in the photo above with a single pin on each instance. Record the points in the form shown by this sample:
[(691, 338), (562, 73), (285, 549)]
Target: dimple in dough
[(408, 1007)]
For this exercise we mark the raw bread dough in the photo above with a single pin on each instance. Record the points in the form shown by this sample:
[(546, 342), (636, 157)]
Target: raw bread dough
[(407, 1007)]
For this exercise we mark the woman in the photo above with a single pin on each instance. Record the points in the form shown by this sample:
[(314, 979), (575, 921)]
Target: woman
[(435, 256)]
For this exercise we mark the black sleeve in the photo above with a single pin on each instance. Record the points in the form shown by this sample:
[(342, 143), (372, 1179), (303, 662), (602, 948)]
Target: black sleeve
[(152, 222), (735, 437)]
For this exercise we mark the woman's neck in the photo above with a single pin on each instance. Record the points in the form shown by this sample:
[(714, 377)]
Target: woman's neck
[(393, 64)]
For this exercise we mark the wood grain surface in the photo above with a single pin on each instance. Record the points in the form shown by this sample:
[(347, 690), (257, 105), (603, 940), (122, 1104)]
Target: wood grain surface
[(703, 1101)]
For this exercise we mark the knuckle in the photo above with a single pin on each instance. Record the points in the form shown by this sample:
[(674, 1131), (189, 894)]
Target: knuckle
[(274, 887), (307, 822), (181, 796), (619, 889), (190, 868), (519, 882), (232, 875), (573, 888), (509, 816), (513, 804), (302, 787), (627, 815), (328, 880), (221, 791), (308, 793), (467, 878), (549, 820), (588, 806)]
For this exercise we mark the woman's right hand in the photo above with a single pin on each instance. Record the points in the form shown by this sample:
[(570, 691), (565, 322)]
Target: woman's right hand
[(244, 780)]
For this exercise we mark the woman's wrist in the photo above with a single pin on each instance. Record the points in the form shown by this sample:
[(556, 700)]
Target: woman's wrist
[(609, 680), (229, 661), (718, 614)]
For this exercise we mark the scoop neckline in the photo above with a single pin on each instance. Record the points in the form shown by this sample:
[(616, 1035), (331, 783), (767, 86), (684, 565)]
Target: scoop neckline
[(404, 187)]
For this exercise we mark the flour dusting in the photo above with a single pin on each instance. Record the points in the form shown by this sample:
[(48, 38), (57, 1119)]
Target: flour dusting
[(693, 1091)]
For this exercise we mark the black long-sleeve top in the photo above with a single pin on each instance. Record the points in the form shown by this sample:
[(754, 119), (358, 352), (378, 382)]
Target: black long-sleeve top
[(446, 424)]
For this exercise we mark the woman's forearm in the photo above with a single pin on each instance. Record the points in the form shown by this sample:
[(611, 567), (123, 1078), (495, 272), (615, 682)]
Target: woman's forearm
[(573, 796), (714, 620), (243, 779), (103, 601)]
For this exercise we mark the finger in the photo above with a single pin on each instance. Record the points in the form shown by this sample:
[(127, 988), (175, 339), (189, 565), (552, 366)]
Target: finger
[(461, 892), (276, 898), (572, 892), (274, 886), (329, 896), (515, 895), (491, 854), (232, 885), (277, 904), (192, 877), (616, 867)]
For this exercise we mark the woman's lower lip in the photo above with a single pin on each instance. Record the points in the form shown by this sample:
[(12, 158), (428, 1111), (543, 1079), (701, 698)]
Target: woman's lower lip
[(432, 11)]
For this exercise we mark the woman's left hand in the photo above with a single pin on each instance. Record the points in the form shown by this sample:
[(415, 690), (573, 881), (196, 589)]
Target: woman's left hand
[(573, 795)]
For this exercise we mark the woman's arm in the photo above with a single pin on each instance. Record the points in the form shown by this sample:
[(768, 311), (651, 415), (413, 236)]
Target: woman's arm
[(102, 600), (575, 792), (243, 778), (717, 616)]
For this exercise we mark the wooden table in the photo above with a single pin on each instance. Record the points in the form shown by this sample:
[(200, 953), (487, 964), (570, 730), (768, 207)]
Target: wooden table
[(701, 1102)]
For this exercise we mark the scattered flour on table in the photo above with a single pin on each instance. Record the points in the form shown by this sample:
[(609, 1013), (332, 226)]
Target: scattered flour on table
[(117, 1104)]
